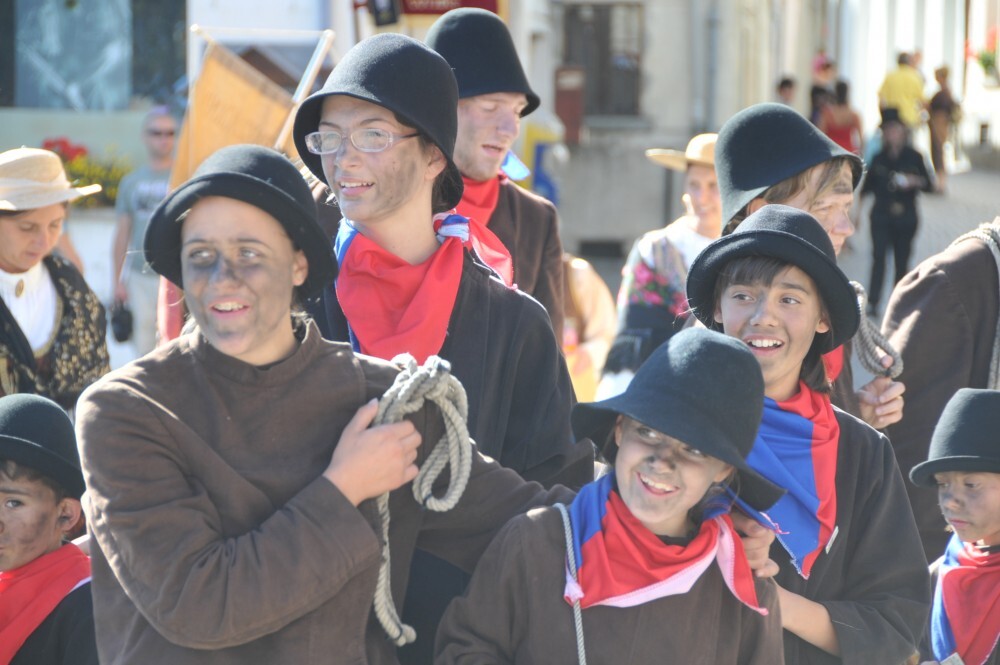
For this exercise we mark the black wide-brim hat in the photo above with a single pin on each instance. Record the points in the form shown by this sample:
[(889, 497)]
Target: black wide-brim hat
[(404, 76), (966, 438), (765, 144), (256, 175), (36, 433), (789, 235), (700, 387), (479, 48)]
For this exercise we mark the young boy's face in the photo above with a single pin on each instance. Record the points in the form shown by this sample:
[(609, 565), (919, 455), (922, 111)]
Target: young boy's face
[(970, 503), (32, 521), (660, 478), (778, 321)]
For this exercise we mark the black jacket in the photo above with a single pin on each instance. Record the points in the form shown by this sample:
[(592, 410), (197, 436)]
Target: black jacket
[(65, 637)]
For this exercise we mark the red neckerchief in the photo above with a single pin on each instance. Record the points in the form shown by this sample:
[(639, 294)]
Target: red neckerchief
[(394, 307), (833, 363), (29, 594), (970, 588), (621, 563), (479, 200)]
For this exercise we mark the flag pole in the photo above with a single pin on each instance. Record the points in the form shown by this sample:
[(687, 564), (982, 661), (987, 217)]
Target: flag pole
[(306, 84)]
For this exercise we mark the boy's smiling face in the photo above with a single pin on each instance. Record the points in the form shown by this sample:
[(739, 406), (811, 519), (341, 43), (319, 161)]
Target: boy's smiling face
[(970, 502), (778, 321), (32, 521)]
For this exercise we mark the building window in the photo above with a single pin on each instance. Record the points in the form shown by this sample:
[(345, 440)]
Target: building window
[(606, 41), (90, 55)]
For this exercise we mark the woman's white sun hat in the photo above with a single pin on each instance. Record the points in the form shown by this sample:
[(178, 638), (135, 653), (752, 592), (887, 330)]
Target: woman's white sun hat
[(31, 178)]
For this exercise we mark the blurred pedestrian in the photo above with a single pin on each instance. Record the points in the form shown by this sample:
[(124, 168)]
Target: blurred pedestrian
[(903, 89), (52, 326), (513, 230), (895, 176), (135, 285), (945, 113), (841, 122), (785, 91), (652, 303), (589, 325)]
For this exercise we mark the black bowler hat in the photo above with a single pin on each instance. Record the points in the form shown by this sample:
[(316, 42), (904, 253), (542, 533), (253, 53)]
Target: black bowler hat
[(700, 387), (256, 175), (966, 438), (890, 114), (790, 235), (765, 144), (36, 433), (404, 76), (478, 46)]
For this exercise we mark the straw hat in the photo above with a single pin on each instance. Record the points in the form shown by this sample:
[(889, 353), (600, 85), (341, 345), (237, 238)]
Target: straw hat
[(700, 150), (31, 178)]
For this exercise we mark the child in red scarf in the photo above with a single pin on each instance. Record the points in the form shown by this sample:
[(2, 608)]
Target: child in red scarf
[(964, 463), (46, 616), (851, 582), (644, 565)]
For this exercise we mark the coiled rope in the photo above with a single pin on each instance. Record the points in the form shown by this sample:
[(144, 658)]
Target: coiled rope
[(413, 387), (872, 341)]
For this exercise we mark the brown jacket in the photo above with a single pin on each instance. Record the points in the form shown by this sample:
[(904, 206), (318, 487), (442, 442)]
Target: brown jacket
[(217, 539), (528, 226), (514, 612), (942, 318)]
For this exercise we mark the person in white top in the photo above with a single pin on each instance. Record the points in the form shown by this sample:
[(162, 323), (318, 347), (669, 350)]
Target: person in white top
[(52, 326), (652, 303)]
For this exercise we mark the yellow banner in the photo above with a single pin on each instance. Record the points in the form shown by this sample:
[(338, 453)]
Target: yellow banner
[(230, 103)]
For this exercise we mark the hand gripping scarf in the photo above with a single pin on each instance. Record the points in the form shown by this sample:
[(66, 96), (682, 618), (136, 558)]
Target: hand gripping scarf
[(394, 307), (29, 594), (965, 615), (621, 563), (796, 448), (479, 200)]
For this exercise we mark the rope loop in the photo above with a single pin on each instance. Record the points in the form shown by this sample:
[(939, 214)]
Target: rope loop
[(872, 341), (414, 386)]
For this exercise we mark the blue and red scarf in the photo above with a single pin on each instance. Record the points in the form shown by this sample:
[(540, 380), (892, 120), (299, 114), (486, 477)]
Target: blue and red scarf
[(621, 563), (965, 616), (394, 307), (796, 448)]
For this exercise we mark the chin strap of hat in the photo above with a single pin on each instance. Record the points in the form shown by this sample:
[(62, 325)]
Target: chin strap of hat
[(989, 234), (872, 342), (412, 388)]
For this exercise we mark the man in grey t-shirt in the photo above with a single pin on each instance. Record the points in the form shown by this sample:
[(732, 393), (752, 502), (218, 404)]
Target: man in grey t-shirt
[(138, 195)]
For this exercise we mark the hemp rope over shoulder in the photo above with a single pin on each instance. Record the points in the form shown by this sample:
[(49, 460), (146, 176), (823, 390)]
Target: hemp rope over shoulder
[(872, 341), (989, 234), (412, 388)]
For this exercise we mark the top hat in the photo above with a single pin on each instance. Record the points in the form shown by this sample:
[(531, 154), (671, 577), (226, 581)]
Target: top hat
[(478, 46), (965, 438), (765, 144), (36, 433), (700, 387), (31, 178), (792, 236), (256, 175), (404, 76), (700, 151)]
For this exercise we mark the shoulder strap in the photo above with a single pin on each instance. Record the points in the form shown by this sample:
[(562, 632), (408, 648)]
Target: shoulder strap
[(581, 649), (989, 234)]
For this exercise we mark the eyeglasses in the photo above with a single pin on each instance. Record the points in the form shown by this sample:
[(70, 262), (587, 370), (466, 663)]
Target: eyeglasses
[(158, 133), (365, 140)]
